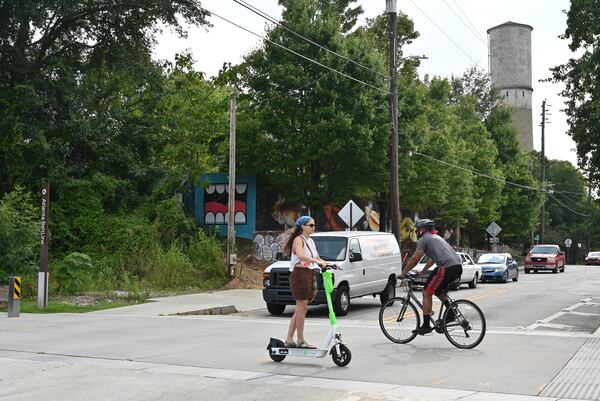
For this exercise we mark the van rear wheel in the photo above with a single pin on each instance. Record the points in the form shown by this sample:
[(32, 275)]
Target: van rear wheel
[(388, 292)]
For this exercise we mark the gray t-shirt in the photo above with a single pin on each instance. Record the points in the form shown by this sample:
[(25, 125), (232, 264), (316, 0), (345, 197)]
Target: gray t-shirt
[(439, 250)]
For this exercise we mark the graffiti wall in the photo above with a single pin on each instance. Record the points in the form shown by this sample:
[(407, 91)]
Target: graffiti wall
[(212, 202), (267, 244)]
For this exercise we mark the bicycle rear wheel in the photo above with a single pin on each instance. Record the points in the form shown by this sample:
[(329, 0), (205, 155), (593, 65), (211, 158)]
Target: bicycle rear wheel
[(398, 317), (467, 329)]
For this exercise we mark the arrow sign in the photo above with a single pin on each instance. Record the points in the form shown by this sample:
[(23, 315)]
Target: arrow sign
[(493, 229), (351, 213)]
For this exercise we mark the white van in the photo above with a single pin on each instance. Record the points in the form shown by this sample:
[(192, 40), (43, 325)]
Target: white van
[(368, 261)]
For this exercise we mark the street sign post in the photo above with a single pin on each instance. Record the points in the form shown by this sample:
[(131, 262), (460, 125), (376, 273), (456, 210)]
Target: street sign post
[(568, 242), (493, 229), (350, 214)]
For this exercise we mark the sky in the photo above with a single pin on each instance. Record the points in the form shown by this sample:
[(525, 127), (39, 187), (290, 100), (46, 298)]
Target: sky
[(451, 47)]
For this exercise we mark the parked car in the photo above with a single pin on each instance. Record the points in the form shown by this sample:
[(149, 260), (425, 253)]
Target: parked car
[(545, 257), (498, 267), (592, 258), (368, 263), (471, 274)]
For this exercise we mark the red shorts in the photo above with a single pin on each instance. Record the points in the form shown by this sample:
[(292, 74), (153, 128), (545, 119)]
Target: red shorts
[(440, 278)]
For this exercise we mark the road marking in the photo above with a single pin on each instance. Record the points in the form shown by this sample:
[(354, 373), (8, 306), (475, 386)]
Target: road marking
[(485, 295), (546, 322)]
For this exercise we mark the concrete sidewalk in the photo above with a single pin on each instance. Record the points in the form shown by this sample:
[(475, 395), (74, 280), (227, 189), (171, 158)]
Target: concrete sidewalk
[(206, 303), (64, 377)]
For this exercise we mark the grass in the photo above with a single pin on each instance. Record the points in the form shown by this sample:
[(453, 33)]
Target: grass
[(30, 306)]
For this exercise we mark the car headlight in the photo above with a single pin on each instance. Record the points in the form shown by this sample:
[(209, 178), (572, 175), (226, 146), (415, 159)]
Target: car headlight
[(266, 283)]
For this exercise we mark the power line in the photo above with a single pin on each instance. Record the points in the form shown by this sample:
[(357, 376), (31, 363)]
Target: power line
[(273, 20), (476, 172), (473, 30), (575, 202), (443, 32), (568, 208), (498, 179), (461, 20), (469, 21), (296, 53)]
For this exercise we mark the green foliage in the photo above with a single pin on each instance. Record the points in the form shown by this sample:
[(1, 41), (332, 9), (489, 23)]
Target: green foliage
[(70, 274), (78, 87), (311, 133), (19, 234), (581, 85), (172, 224), (194, 124)]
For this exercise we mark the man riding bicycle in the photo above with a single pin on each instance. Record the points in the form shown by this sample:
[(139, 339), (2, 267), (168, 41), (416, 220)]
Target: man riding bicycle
[(448, 270)]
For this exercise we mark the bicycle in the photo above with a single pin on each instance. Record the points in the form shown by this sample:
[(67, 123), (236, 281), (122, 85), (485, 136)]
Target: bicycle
[(399, 316)]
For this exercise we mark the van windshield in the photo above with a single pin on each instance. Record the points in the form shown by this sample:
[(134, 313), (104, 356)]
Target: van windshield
[(331, 248)]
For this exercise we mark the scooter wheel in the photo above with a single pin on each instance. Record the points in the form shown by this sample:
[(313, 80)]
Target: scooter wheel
[(341, 357), (277, 344)]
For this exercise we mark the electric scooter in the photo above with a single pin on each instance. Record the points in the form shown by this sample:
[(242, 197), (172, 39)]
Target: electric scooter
[(340, 353)]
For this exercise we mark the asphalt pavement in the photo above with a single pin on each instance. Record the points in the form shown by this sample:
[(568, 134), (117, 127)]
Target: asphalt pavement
[(78, 357)]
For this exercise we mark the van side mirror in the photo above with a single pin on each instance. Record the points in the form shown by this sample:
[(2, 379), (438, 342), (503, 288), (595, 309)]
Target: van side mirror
[(355, 256), (279, 256)]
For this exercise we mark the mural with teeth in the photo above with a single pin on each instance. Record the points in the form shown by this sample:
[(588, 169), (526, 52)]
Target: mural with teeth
[(216, 199)]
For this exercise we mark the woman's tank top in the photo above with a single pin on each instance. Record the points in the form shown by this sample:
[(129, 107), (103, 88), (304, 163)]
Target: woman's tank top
[(310, 249)]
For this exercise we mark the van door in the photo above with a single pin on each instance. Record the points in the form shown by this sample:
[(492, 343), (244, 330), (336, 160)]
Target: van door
[(356, 272), (382, 260)]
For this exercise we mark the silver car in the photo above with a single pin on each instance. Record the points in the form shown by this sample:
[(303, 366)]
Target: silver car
[(471, 274)]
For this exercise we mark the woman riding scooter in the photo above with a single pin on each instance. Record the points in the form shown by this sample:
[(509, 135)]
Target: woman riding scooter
[(302, 278)]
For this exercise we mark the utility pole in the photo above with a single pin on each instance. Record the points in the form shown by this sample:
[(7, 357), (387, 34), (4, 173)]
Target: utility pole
[(390, 8), (231, 255), (589, 225), (543, 173)]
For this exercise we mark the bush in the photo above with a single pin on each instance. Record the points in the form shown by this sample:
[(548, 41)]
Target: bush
[(19, 235), (172, 224), (205, 253), (72, 273)]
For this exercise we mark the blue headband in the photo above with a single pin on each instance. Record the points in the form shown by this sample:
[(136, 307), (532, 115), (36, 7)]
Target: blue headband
[(302, 220)]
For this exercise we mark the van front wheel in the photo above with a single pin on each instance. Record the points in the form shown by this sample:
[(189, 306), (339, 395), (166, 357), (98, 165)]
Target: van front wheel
[(388, 292), (275, 309), (341, 303)]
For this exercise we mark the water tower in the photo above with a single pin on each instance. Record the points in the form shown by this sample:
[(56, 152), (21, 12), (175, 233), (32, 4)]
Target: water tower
[(510, 71)]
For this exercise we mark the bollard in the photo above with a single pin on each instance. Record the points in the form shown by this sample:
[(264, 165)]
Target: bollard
[(14, 296)]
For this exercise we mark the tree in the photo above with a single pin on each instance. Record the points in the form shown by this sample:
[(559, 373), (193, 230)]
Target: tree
[(71, 69), (194, 124), (582, 84), (476, 83), (311, 133)]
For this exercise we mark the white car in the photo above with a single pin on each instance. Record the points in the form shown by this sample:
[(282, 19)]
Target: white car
[(471, 274)]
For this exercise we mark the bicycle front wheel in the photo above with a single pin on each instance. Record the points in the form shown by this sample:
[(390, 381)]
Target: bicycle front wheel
[(466, 328), (398, 318)]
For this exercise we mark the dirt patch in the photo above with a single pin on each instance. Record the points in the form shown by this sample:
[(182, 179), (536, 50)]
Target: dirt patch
[(248, 275)]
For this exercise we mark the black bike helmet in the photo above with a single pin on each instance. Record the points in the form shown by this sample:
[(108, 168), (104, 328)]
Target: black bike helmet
[(424, 223)]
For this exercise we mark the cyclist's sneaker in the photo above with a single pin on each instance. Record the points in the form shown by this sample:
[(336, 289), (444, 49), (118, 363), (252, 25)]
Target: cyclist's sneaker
[(423, 330)]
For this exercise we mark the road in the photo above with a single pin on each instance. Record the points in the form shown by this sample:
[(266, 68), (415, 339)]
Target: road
[(542, 330)]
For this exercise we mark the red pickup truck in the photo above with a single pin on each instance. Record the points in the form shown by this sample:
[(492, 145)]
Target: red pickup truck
[(545, 257)]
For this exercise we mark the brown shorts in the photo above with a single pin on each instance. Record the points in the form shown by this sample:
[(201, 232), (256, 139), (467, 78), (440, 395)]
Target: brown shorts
[(303, 283)]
